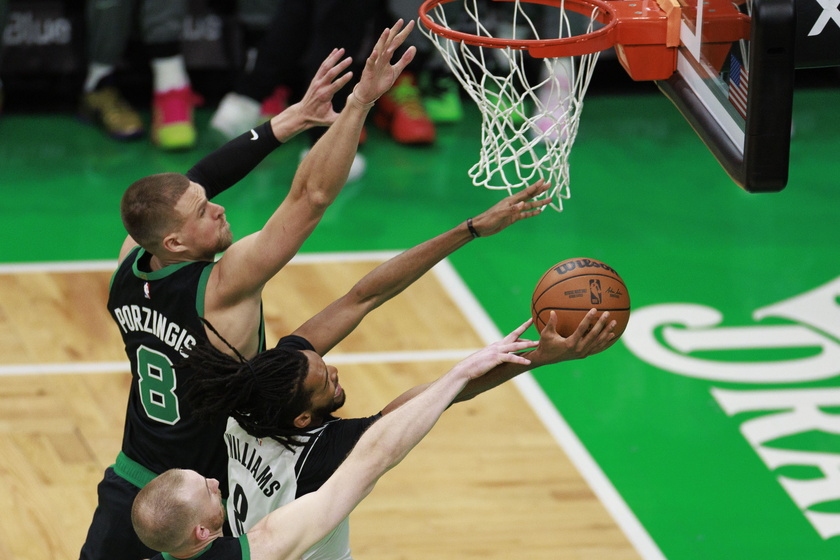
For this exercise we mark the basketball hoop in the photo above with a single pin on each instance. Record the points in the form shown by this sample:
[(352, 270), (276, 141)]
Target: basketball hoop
[(529, 123)]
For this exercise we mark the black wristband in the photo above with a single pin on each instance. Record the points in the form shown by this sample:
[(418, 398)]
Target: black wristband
[(472, 229)]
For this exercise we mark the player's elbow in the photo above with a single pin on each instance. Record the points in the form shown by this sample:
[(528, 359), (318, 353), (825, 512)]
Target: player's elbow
[(319, 200), (365, 297), (315, 195)]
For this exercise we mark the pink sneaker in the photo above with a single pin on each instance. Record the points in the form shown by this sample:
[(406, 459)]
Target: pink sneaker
[(172, 118)]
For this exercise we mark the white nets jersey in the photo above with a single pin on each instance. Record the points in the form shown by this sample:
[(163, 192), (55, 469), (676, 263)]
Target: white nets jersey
[(263, 475)]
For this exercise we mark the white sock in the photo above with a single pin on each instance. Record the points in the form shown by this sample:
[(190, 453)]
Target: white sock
[(169, 73), (96, 71)]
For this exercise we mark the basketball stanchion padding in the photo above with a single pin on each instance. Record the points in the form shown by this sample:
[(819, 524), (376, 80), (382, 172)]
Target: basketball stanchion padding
[(574, 286)]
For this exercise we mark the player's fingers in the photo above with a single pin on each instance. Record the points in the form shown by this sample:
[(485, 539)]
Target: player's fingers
[(534, 204), (515, 334), (551, 324), (391, 36), (598, 326), (404, 60), (598, 335), (514, 359), (517, 345), (531, 191), (400, 37), (329, 63), (584, 325), (380, 44), (339, 67), (340, 82)]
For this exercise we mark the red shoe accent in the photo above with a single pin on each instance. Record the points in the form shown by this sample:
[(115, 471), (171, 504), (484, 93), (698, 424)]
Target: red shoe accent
[(276, 102), (172, 118), (401, 113), (175, 106)]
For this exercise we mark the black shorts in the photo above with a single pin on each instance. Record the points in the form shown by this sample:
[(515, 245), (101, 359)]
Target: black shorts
[(111, 534)]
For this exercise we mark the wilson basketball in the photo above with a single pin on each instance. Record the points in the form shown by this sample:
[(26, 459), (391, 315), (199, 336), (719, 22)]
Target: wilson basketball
[(573, 287)]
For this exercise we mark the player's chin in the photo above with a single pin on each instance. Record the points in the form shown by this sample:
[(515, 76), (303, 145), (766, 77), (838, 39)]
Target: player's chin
[(225, 241), (338, 402)]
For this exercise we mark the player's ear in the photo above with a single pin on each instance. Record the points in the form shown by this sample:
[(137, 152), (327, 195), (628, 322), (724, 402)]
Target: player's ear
[(303, 419), (201, 533), (172, 243)]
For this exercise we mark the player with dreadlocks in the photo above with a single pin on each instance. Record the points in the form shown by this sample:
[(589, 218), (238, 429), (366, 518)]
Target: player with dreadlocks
[(282, 439)]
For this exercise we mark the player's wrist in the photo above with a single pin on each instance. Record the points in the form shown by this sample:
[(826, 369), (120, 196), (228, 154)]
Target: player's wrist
[(288, 124), (359, 102), (471, 228)]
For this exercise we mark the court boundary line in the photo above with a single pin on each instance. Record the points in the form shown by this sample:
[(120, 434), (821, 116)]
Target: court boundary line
[(454, 285), (106, 265)]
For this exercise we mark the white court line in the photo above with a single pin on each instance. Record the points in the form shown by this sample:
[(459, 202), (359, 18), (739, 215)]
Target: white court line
[(480, 321), (111, 265), (76, 368)]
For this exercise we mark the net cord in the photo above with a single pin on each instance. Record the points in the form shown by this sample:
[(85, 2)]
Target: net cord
[(518, 146)]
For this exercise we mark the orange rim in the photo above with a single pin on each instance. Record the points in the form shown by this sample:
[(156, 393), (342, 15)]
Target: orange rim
[(596, 41)]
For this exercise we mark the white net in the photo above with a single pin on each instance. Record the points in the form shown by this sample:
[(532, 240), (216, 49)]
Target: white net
[(530, 107)]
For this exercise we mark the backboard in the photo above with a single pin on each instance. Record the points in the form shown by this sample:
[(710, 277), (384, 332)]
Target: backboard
[(734, 83)]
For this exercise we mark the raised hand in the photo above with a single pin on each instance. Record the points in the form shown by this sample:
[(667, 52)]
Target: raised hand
[(499, 352), (316, 108), (512, 209), (379, 74), (589, 338)]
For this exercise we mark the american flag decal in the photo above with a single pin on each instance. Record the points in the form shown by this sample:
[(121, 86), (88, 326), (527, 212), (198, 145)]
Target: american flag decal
[(739, 81)]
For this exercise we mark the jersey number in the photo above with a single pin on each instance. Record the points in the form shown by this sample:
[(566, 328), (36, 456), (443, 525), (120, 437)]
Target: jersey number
[(157, 386), (240, 509)]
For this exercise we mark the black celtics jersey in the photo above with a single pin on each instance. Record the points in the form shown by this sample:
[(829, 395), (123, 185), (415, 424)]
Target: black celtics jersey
[(158, 317)]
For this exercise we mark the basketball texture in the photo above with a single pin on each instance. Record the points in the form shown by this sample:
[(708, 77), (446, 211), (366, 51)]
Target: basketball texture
[(573, 287)]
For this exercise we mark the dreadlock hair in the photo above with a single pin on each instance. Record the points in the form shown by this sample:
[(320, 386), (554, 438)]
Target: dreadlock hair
[(264, 394)]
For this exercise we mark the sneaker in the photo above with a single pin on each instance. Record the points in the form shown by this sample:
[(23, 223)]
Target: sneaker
[(106, 108), (357, 168), (400, 112), (235, 115), (275, 103), (441, 97), (172, 119), (555, 102)]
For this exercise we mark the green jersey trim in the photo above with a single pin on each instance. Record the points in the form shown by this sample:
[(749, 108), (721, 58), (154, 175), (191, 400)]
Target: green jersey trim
[(156, 274), (246, 547), (202, 289), (132, 471)]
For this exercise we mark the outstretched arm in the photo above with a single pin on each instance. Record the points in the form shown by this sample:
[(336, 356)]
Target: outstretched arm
[(318, 180), (290, 530), (227, 165), (552, 349), (340, 318)]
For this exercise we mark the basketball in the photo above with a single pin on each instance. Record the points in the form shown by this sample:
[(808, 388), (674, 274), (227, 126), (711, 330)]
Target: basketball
[(573, 287)]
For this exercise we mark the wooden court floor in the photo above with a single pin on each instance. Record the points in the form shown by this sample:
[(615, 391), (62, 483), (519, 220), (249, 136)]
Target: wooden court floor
[(489, 482)]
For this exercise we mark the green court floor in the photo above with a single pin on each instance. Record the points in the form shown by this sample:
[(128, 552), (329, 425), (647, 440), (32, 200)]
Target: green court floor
[(714, 420)]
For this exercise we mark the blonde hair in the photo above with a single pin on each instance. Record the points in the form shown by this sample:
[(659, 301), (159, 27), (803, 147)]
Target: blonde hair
[(161, 515)]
